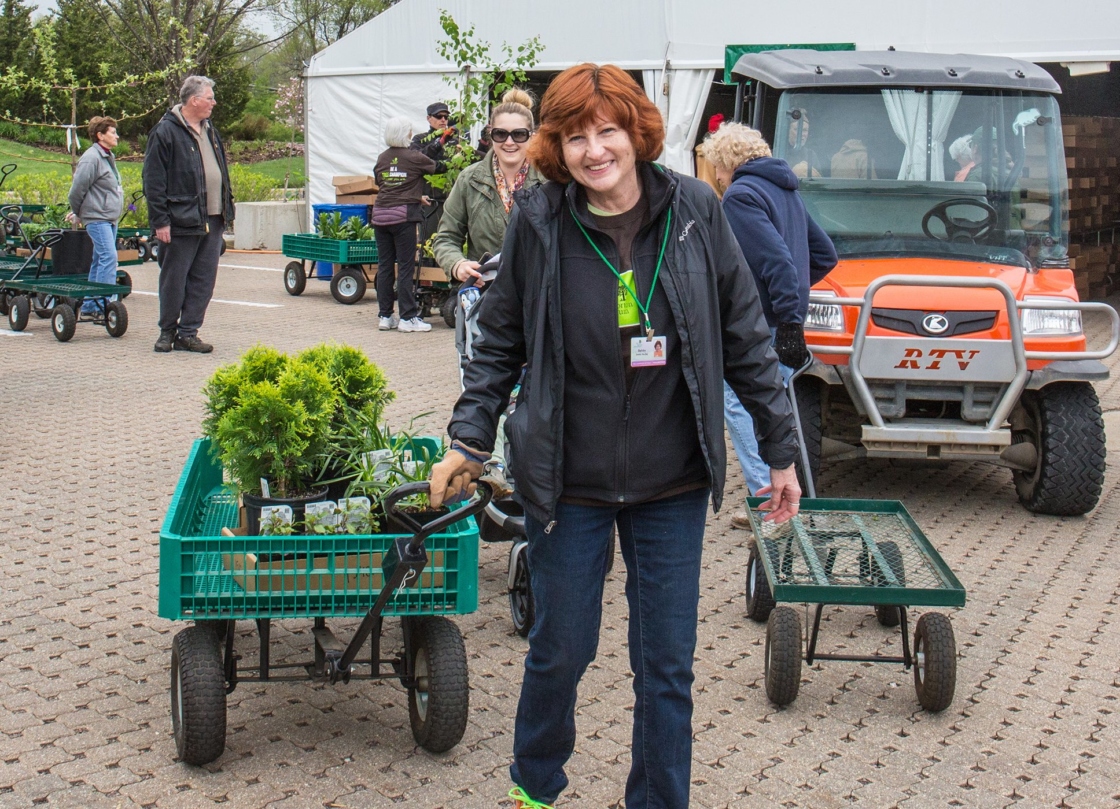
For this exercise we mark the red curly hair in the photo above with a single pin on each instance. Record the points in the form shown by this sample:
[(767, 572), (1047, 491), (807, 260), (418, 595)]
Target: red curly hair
[(584, 94)]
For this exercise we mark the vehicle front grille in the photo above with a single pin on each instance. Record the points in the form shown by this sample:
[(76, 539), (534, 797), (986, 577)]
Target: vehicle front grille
[(910, 321)]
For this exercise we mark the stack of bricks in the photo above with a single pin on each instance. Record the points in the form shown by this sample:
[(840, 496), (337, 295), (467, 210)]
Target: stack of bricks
[(1093, 166)]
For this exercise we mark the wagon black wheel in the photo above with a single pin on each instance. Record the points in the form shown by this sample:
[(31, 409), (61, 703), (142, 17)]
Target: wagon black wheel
[(5, 302), (447, 308), (42, 305), (153, 249), (116, 319), (19, 312), (888, 614), (63, 322), (198, 695), (124, 279), (760, 601), (783, 655), (438, 704), (935, 661), (294, 279), (1063, 422), (348, 286), (144, 251), (521, 608)]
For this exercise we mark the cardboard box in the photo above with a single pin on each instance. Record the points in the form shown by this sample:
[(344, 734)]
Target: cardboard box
[(354, 184), (128, 255), (433, 274), (355, 199), (351, 573)]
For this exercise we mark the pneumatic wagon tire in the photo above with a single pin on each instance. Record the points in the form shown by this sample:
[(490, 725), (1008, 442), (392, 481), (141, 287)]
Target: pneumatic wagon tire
[(63, 322), (783, 655), (447, 308), (935, 661), (198, 695), (1063, 422), (889, 614), (294, 279), (348, 285), (522, 611), (19, 312), (760, 601), (116, 319), (439, 702)]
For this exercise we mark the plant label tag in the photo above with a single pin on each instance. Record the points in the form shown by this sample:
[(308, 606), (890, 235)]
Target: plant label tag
[(378, 461), (353, 510), (281, 514), (264, 488), (326, 510), (409, 467)]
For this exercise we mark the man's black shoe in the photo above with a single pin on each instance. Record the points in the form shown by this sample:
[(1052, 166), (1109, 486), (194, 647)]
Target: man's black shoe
[(192, 343), (165, 342)]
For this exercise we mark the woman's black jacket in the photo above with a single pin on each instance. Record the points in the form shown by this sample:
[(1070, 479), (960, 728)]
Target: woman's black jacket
[(717, 315)]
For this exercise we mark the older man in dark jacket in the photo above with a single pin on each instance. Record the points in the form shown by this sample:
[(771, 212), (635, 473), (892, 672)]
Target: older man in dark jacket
[(787, 252), (190, 205)]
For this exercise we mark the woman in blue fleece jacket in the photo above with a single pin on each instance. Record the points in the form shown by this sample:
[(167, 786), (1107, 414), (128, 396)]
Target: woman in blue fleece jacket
[(787, 252)]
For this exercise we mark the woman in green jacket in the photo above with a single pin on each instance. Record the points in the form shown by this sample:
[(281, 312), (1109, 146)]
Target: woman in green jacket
[(477, 210)]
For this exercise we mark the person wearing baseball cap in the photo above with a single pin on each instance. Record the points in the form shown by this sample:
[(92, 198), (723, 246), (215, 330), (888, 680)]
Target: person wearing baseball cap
[(440, 139)]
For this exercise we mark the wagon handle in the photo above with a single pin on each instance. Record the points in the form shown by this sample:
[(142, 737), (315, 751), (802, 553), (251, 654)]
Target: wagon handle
[(6, 171), (422, 532), (402, 565), (11, 213)]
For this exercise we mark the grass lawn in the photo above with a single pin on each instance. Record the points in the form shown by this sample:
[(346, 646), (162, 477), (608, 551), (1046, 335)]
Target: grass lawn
[(276, 169), (30, 160)]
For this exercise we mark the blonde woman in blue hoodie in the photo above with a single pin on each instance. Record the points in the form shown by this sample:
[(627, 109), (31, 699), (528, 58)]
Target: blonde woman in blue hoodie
[(97, 200)]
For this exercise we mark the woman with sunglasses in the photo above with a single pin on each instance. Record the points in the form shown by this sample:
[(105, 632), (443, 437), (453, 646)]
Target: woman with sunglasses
[(477, 210)]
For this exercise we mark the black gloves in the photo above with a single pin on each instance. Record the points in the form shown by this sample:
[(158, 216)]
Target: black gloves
[(789, 343)]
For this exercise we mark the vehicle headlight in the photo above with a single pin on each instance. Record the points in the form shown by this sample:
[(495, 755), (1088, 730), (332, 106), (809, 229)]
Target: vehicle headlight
[(824, 316), (1050, 321)]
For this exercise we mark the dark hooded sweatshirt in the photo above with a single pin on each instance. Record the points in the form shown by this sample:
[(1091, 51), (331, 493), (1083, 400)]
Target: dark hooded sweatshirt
[(787, 251)]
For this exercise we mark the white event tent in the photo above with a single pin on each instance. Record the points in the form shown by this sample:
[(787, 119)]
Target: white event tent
[(390, 66)]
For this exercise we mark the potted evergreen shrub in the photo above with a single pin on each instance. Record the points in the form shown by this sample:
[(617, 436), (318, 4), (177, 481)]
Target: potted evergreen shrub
[(273, 419)]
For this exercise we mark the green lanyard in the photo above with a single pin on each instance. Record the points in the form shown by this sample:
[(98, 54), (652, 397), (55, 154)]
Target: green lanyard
[(644, 309)]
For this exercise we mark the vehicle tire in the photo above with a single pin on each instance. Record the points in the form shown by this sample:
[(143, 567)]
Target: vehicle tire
[(124, 280), (42, 305), (935, 661), (521, 607), (348, 285), (295, 281), (63, 322), (809, 412), (439, 703), (760, 601), (783, 655), (888, 614), (1064, 423), (5, 302), (198, 695), (143, 250), (447, 308), (116, 319), (153, 249), (19, 312)]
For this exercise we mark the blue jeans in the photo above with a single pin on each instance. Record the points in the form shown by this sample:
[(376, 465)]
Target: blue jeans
[(740, 426), (661, 546), (103, 267)]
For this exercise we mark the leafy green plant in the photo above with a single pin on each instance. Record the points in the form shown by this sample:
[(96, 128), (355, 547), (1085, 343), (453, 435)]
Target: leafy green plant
[(331, 226), (482, 77), (275, 524), (250, 186)]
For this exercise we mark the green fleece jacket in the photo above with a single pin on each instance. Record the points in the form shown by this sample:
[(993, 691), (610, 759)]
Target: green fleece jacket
[(473, 215)]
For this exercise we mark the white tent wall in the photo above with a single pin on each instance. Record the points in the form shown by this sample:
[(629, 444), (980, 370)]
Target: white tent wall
[(390, 66)]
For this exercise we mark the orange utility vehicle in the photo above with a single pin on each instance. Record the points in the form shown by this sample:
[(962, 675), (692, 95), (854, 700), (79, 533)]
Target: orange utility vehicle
[(951, 328)]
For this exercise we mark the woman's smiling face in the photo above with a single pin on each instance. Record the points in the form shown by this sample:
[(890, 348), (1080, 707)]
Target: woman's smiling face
[(601, 158)]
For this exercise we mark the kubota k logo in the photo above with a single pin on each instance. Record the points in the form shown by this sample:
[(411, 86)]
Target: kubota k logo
[(914, 359), (935, 323)]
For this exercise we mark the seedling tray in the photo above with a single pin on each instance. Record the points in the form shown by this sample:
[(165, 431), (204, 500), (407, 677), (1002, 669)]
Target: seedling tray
[(853, 552)]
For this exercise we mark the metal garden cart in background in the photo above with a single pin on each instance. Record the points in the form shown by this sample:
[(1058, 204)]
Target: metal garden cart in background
[(215, 579), (866, 552), (355, 264)]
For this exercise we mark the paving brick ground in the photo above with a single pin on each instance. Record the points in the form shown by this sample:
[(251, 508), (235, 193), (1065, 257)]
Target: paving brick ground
[(97, 433)]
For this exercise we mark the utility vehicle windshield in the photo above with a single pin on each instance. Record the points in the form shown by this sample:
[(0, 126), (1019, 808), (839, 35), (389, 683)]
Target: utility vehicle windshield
[(975, 175)]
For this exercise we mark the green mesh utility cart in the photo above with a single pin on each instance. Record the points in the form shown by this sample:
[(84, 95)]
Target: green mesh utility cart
[(214, 577), (866, 552), (355, 264)]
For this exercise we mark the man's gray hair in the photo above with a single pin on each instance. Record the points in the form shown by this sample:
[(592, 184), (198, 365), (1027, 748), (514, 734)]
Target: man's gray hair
[(398, 132), (194, 86), (960, 147)]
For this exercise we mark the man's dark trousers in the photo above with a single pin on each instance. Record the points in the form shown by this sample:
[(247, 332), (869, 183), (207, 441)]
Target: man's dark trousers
[(188, 268)]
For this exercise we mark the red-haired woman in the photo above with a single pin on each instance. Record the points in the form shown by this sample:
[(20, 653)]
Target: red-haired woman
[(610, 257)]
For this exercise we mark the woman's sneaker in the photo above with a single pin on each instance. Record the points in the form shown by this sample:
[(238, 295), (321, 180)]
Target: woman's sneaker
[(523, 801), (414, 324)]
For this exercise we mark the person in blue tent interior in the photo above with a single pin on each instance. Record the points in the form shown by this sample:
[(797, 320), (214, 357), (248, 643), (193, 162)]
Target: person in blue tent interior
[(610, 257)]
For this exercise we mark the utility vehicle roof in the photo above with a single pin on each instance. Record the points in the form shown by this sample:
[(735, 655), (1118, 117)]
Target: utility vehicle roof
[(807, 68)]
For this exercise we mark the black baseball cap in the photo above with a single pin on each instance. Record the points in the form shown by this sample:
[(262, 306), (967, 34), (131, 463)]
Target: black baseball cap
[(438, 107)]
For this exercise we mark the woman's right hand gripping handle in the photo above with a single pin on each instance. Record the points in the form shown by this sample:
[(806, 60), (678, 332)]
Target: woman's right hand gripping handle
[(453, 478)]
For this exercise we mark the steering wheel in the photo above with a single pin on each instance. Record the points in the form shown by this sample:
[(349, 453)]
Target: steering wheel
[(956, 228)]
